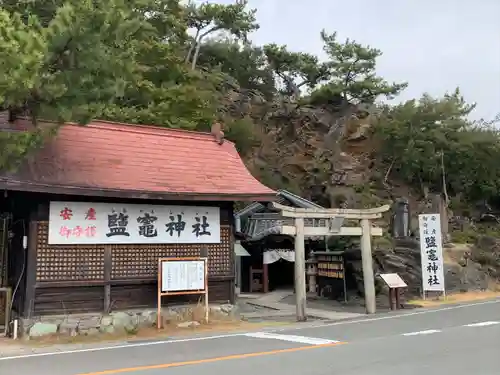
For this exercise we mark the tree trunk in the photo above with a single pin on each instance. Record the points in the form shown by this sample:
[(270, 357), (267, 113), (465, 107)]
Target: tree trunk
[(196, 53), (439, 206), (193, 44)]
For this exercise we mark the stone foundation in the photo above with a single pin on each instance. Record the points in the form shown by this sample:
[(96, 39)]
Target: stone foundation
[(118, 322)]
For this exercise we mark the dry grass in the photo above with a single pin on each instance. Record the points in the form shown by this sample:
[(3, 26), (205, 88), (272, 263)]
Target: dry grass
[(457, 298)]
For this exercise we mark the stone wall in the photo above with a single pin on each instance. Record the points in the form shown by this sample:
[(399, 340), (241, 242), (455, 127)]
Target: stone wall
[(118, 322)]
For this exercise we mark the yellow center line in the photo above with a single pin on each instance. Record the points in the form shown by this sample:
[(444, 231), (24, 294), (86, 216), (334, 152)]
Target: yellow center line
[(210, 360)]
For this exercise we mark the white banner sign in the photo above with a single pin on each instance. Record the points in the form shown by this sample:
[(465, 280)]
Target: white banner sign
[(431, 251), (116, 223), (182, 275)]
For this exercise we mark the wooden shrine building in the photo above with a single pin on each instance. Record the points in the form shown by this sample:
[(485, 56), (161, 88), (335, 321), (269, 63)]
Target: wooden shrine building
[(88, 215), (271, 261)]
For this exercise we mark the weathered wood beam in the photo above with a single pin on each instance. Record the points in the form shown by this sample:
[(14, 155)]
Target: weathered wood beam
[(324, 231), (328, 213)]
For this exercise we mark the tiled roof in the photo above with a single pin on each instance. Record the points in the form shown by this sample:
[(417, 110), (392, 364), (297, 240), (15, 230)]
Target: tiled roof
[(282, 197), (104, 157)]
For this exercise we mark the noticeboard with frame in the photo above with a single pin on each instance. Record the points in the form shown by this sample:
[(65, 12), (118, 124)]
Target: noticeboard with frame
[(182, 276), (331, 271)]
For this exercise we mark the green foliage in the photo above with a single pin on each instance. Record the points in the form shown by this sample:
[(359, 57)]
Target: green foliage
[(472, 234), (240, 131), (234, 18), (70, 66), (63, 61), (23, 52), (421, 138), (16, 146), (209, 18), (290, 66), (244, 63), (350, 73), (137, 61)]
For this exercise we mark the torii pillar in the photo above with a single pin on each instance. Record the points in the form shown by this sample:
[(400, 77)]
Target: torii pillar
[(300, 231)]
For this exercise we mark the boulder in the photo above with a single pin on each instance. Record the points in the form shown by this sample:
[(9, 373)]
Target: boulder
[(120, 318), (42, 329), (190, 324)]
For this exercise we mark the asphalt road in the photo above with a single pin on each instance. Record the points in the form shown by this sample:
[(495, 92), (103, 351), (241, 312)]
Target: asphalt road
[(460, 339)]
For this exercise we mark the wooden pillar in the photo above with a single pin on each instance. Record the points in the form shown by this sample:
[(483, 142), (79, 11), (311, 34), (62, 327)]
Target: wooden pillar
[(300, 271), (265, 278), (107, 278), (30, 269), (237, 271), (367, 261)]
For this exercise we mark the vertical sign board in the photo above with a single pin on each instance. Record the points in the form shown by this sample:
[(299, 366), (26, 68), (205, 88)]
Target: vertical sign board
[(182, 276), (431, 252)]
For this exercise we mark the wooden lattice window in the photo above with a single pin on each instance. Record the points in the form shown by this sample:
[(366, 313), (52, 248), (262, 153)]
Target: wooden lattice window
[(86, 262), (220, 257), (67, 262), (141, 261)]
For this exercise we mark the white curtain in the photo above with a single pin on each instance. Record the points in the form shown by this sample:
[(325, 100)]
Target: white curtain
[(271, 256)]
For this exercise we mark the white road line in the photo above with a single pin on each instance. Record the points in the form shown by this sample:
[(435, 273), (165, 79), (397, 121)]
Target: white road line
[(428, 332), (482, 324), (388, 317), (292, 338), (124, 346)]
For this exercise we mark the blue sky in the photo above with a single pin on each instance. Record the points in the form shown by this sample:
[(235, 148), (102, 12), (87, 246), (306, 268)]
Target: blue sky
[(434, 45)]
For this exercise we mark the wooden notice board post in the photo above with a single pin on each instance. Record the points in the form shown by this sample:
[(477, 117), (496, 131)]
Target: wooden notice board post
[(182, 276), (395, 283)]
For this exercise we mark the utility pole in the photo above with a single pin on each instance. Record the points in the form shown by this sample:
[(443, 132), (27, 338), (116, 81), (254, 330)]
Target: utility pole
[(367, 262), (300, 270)]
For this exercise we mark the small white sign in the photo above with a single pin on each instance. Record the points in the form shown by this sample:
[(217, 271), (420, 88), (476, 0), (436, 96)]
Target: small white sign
[(73, 223), (182, 275), (393, 280), (335, 224), (431, 252)]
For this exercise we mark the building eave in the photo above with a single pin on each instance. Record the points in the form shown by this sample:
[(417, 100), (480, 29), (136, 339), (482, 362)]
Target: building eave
[(15, 185)]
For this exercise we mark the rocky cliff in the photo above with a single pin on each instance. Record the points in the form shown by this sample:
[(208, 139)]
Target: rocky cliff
[(330, 157)]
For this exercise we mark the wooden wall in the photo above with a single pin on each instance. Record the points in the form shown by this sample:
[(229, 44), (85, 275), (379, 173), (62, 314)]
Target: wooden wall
[(63, 279)]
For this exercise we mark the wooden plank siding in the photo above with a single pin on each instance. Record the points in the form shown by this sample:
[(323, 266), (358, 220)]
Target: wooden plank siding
[(65, 279), (83, 299)]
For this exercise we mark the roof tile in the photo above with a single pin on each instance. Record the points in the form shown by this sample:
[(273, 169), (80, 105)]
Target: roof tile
[(112, 156)]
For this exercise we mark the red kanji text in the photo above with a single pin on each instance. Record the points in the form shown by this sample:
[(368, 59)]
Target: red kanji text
[(90, 231), (64, 231), (66, 213), (90, 215), (77, 231)]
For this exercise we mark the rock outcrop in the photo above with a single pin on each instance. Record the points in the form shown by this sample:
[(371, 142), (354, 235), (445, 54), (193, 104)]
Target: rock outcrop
[(467, 266)]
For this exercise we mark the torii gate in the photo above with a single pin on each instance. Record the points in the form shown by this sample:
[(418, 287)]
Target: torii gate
[(332, 226)]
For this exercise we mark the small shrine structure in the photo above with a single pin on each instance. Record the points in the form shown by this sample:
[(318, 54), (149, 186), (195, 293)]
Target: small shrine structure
[(270, 255)]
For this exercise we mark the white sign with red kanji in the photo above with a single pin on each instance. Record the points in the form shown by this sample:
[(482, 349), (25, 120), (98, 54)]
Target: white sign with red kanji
[(116, 223), (431, 252)]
